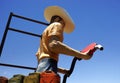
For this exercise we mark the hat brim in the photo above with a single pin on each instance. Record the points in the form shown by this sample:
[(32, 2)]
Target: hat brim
[(55, 10)]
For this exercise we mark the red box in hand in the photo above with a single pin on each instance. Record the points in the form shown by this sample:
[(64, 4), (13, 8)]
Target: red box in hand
[(90, 47)]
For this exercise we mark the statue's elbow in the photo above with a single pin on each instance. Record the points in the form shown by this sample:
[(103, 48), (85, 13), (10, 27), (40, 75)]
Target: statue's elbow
[(53, 45)]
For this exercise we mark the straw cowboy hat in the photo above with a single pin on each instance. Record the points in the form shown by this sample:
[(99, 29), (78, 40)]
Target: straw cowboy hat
[(56, 10)]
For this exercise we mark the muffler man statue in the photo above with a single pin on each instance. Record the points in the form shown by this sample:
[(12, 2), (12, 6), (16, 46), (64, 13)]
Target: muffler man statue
[(51, 43)]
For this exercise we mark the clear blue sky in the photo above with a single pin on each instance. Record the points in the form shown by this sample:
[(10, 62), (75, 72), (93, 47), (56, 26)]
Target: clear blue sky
[(95, 21)]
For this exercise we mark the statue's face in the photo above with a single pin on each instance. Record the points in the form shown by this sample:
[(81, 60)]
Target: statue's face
[(57, 19), (60, 20)]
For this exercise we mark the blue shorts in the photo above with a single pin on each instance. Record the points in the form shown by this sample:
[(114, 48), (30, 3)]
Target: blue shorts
[(47, 64)]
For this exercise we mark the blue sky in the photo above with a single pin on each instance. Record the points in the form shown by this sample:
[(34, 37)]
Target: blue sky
[(95, 21)]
